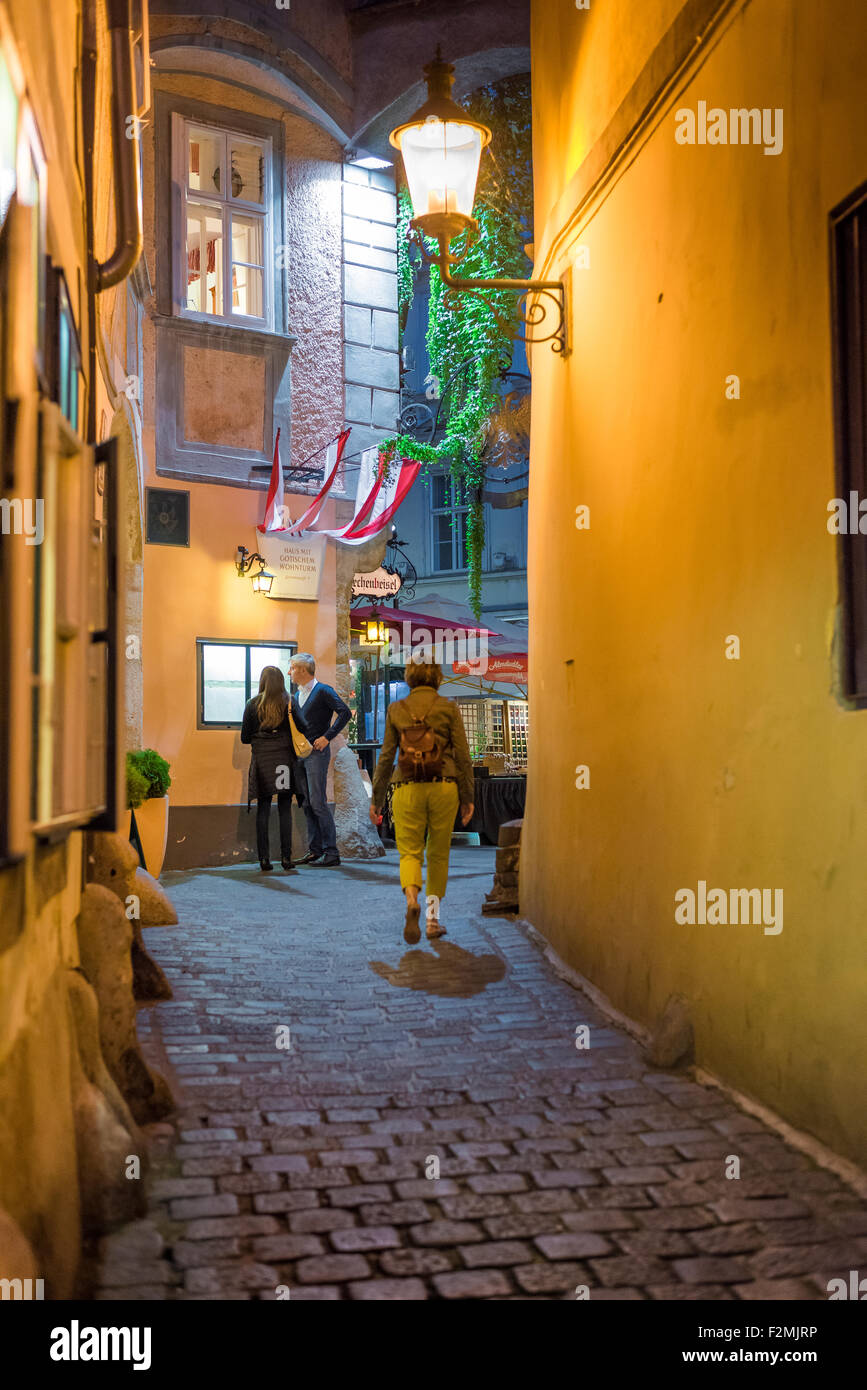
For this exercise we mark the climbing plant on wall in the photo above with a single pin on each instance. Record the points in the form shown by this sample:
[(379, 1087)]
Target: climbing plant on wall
[(462, 331)]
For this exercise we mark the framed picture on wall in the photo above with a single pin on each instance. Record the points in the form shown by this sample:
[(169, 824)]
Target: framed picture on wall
[(167, 517)]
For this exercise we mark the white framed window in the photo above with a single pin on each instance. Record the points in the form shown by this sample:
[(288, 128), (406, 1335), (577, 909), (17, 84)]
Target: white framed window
[(228, 676), (224, 244), (449, 506)]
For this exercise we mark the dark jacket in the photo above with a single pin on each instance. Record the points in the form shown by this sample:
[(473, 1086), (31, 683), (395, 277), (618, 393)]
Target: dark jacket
[(444, 717), (314, 719), (271, 750)]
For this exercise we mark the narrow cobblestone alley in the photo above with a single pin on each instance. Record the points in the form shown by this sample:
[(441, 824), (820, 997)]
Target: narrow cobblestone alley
[(559, 1167)]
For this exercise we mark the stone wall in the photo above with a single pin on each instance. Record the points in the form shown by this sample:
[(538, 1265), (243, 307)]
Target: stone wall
[(371, 361)]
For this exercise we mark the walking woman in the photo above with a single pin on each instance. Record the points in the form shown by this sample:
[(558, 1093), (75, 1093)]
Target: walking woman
[(266, 727), (434, 775)]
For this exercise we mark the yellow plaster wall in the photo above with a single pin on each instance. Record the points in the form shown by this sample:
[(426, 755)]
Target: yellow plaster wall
[(708, 518)]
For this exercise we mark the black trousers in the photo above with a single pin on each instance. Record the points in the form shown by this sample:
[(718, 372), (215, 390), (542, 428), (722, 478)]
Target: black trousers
[(263, 816)]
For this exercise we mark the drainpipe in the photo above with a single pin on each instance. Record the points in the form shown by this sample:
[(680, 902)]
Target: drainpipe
[(125, 151)]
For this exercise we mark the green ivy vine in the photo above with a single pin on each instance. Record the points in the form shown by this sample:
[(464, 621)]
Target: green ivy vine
[(461, 327)]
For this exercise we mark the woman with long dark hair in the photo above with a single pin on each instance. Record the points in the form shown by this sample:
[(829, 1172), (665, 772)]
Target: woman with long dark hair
[(267, 729)]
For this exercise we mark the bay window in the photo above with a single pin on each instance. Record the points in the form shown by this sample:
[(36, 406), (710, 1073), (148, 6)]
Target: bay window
[(225, 178)]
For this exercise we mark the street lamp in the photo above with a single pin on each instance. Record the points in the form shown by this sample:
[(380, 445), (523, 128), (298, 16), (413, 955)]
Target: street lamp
[(375, 631), (441, 146)]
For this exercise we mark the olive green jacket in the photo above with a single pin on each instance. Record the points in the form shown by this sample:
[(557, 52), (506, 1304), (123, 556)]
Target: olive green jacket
[(444, 718)]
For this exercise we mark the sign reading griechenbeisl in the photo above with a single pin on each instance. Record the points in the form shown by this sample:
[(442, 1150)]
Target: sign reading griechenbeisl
[(378, 584)]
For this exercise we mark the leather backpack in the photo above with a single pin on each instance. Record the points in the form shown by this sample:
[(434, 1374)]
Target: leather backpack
[(420, 755)]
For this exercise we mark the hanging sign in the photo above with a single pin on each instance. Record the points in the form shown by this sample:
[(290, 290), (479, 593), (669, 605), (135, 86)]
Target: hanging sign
[(377, 584), (510, 667), (295, 562)]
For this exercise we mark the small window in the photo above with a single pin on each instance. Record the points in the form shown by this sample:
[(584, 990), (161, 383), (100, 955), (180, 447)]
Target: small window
[(229, 676), (225, 182), (849, 250), (65, 377)]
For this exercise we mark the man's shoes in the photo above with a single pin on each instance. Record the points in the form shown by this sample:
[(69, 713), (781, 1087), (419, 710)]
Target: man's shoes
[(266, 866), (328, 861), (287, 865), (309, 858)]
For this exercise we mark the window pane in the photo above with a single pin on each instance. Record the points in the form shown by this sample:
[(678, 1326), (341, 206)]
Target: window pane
[(63, 365), (248, 171), (205, 161), (268, 656), (247, 253), (461, 539), (439, 489), (247, 291), (223, 688), (204, 259), (247, 239), (443, 544)]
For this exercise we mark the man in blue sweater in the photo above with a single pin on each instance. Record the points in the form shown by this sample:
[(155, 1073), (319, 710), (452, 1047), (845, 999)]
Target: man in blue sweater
[(313, 709)]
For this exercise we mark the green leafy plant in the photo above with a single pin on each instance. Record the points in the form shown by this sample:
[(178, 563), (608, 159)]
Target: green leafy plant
[(461, 327), (153, 769), (137, 786)]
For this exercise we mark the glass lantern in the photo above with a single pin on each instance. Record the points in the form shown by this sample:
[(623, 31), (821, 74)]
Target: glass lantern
[(441, 147)]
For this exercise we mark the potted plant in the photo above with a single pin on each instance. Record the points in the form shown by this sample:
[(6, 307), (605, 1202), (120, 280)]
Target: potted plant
[(147, 785)]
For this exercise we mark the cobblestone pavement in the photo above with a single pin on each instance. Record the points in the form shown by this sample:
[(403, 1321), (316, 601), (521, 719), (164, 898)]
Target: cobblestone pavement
[(559, 1167)]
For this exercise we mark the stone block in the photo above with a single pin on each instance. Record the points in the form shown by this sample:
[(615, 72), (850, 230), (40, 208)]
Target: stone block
[(673, 1039), (363, 437), (370, 233), (105, 948), (369, 368), (472, 1283), (148, 978), (357, 404), (356, 836), (112, 862), (154, 903), (365, 285), (373, 204), (510, 833), (382, 178), (355, 253), (508, 859), (386, 408), (356, 325), (385, 330), (355, 174)]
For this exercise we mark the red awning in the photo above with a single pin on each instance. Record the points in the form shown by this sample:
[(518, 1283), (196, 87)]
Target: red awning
[(396, 617)]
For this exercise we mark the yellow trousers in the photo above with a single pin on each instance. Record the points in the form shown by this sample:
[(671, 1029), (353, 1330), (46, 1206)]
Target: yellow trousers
[(424, 817)]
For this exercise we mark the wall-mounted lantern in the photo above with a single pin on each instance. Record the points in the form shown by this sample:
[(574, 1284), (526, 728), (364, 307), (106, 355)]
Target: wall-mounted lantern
[(441, 147), (244, 562)]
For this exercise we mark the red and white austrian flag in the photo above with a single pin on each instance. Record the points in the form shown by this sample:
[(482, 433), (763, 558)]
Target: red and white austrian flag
[(273, 519)]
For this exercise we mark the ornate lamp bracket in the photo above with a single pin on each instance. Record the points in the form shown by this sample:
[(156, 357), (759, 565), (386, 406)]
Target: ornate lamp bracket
[(541, 303)]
